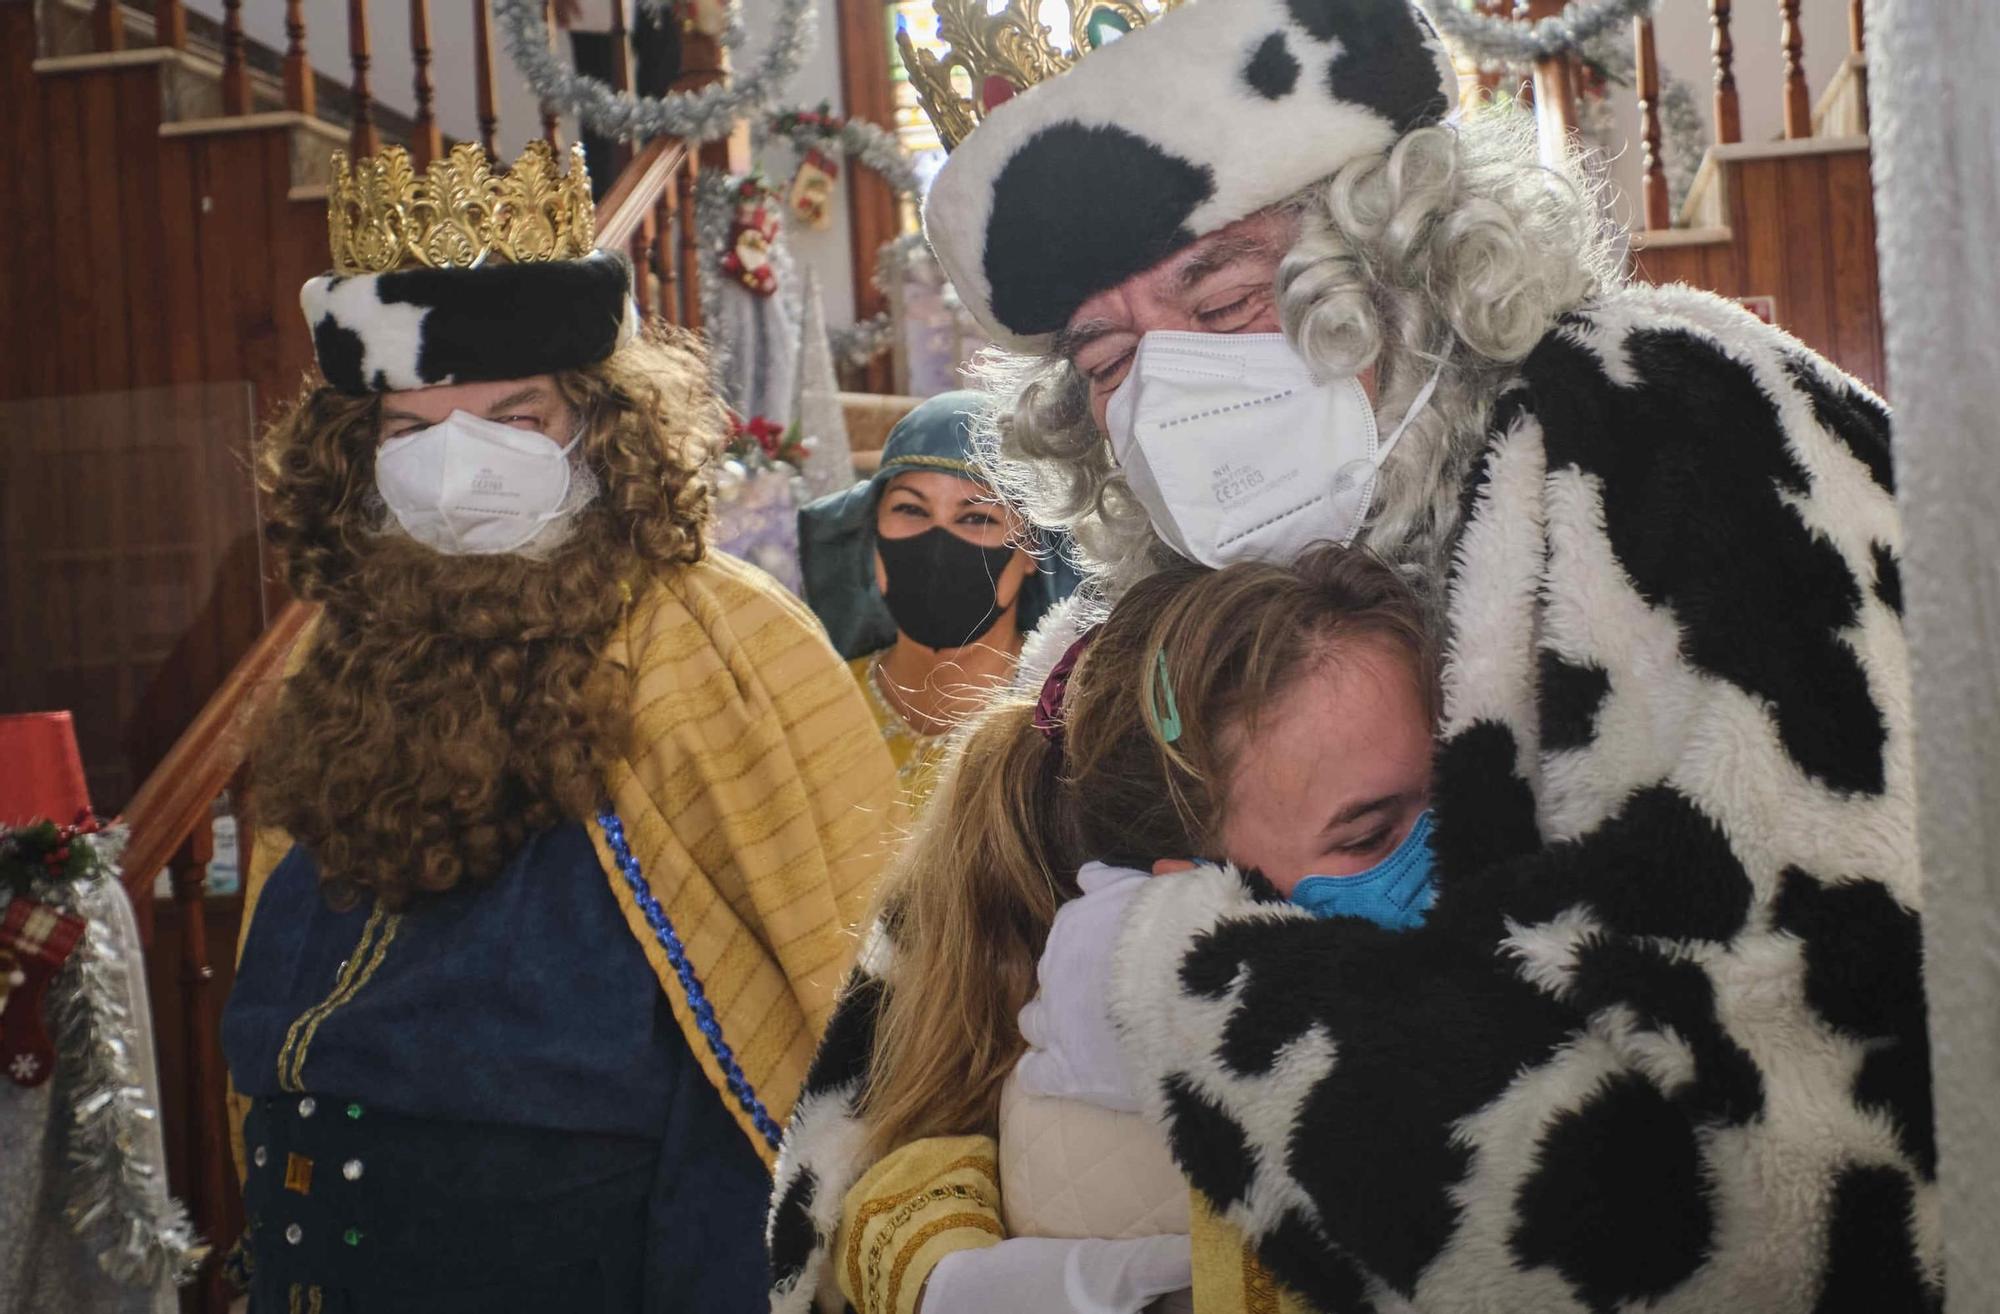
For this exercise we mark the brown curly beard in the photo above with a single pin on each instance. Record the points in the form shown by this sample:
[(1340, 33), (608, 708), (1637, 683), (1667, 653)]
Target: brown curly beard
[(453, 706)]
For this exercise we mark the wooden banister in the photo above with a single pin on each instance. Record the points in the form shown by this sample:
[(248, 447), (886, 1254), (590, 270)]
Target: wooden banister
[(174, 801), (426, 142), (1728, 108), (363, 140), (235, 73), (1798, 96), (1656, 205), (301, 94), (637, 191), (488, 106), (1857, 27)]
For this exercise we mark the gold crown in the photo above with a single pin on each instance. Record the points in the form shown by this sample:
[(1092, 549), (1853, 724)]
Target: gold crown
[(1002, 51), (462, 213)]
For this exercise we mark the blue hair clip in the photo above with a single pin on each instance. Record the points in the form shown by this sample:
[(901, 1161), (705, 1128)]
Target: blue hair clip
[(1166, 712)]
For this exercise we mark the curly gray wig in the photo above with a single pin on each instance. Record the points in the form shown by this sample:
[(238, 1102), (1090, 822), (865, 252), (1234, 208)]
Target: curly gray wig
[(1457, 249)]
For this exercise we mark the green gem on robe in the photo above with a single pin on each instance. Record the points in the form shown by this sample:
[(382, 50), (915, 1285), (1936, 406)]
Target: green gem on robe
[(1104, 26), (352, 1236)]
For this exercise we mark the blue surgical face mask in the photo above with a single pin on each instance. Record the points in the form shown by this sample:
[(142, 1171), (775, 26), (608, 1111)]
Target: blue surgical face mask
[(1394, 894)]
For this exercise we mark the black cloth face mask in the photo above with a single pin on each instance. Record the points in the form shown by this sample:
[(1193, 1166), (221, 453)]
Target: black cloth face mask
[(943, 591)]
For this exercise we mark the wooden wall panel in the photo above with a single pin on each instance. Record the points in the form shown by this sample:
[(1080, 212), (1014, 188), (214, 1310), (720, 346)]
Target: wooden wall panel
[(1803, 233), (141, 262), (1857, 297)]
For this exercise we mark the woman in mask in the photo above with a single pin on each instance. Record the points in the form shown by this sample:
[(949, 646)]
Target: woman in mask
[(927, 583)]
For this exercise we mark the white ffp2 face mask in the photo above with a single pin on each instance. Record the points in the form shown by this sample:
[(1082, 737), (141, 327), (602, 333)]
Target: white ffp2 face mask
[(473, 486), (1238, 453)]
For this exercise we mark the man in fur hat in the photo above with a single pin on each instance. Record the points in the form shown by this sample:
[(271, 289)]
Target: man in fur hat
[(563, 820), (1661, 1042)]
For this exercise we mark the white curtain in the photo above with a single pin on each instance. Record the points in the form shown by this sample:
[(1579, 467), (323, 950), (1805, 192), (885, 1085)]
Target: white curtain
[(1937, 198)]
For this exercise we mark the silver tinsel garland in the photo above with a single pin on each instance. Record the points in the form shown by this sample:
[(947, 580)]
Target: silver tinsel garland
[(694, 116), (1499, 44), (115, 1200), (859, 140), (874, 146)]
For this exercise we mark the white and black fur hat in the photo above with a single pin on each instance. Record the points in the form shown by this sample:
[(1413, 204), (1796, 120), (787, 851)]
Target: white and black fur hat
[(1202, 117), (424, 328)]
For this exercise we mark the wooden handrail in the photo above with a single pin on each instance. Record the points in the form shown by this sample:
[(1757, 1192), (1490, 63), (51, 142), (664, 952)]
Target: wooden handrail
[(176, 798), (637, 191)]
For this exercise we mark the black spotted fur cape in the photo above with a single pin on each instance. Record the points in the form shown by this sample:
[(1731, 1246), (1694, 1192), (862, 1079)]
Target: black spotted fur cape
[(1661, 1044)]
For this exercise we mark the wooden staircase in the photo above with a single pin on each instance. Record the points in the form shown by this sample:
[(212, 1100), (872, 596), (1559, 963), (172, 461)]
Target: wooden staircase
[(1785, 227)]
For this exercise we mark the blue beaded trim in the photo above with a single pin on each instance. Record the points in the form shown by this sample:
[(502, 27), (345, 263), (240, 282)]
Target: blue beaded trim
[(704, 1012)]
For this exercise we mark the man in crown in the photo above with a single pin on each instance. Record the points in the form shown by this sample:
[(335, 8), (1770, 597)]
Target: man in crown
[(563, 819), (1660, 1042)]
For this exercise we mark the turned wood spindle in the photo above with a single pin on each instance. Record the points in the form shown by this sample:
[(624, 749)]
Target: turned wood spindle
[(426, 142), (363, 139), (1653, 170), (551, 117), (621, 77), (235, 76), (107, 24), (207, 1128), (301, 95), (690, 273), (1798, 97), (170, 24), (488, 106), (1728, 109), (665, 218)]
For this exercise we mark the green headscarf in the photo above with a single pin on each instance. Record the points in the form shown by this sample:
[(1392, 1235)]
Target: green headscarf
[(837, 532)]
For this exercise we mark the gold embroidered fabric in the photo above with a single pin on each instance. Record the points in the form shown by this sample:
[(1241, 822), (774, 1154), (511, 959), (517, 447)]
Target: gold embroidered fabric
[(914, 1207)]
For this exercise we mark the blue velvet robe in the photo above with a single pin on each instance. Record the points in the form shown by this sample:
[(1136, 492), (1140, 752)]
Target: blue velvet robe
[(483, 1104)]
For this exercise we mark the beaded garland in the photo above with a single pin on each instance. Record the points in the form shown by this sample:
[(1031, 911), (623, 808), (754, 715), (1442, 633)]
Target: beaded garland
[(698, 1002)]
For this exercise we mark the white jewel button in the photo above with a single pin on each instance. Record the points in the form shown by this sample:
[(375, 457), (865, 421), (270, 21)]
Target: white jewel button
[(351, 1170), (306, 1107), (294, 1234), (259, 1157)]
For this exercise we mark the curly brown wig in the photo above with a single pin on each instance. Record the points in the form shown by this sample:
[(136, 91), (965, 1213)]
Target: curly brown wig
[(452, 706)]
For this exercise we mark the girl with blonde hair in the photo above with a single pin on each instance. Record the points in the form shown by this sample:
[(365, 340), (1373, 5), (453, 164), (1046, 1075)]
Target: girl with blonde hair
[(1209, 705)]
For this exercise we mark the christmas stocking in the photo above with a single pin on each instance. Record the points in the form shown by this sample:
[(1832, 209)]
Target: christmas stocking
[(39, 940)]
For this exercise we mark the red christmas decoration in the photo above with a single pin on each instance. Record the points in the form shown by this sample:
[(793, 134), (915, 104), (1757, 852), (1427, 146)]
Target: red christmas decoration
[(751, 235), (35, 941)]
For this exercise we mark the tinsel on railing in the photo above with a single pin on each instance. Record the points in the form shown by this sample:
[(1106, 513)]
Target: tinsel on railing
[(1501, 44), (708, 114), (116, 1200)]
